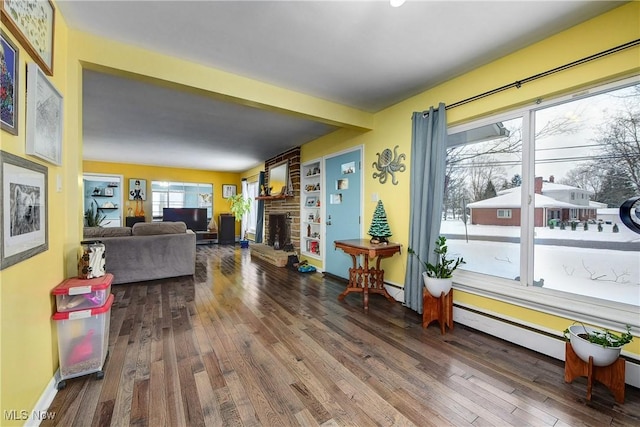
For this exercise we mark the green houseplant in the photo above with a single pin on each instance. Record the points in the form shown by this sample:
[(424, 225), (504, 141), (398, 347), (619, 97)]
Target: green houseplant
[(601, 344), (240, 206), (438, 277), (93, 217)]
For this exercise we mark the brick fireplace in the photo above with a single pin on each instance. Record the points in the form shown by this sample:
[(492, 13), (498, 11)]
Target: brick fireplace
[(286, 210)]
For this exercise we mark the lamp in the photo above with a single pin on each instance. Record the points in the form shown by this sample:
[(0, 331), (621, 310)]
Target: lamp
[(396, 3)]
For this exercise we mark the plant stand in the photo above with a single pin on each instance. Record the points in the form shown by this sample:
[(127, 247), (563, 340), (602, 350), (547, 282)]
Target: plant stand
[(440, 309), (611, 376)]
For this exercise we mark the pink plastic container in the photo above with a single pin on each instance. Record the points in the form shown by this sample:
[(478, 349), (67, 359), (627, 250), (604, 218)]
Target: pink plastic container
[(80, 294), (83, 339)]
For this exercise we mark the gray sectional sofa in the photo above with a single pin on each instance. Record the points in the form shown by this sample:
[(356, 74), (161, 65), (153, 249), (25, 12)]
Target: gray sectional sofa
[(146, 251)]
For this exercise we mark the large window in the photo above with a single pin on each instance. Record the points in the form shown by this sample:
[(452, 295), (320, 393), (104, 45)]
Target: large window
[(253, 192), (167, 194), (561, 170)]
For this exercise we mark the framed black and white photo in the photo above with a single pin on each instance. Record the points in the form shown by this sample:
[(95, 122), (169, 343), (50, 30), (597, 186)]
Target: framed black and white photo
[(44, 117), (24, 209), (9, 93), (228, 190)]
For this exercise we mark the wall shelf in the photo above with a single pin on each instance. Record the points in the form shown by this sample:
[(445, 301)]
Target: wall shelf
[(312, 226), (278, 197)]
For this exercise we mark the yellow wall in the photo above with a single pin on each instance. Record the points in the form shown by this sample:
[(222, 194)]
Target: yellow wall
[(393, 126), (28, 353), (154, 173), (27, 334)]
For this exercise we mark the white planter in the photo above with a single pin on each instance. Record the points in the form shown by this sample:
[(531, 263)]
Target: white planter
[(602, 356), (437, 286)]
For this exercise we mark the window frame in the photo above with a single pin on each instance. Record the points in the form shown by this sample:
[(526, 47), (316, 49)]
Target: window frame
[(169, 203), (609, 314), (504, 211), (253, 212)]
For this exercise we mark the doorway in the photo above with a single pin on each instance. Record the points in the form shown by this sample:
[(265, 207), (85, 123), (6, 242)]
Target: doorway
[(343, 207)]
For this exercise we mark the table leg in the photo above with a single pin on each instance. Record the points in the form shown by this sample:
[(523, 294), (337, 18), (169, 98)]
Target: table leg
[(365, 290), (353, 279), (366, 279), (379, 277)]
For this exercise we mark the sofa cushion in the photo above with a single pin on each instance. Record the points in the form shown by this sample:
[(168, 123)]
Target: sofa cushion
[(92, 232), (155, 228)]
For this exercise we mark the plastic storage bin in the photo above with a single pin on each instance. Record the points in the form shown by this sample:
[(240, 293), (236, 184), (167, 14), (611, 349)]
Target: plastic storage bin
[(79, 294), (83, 339)]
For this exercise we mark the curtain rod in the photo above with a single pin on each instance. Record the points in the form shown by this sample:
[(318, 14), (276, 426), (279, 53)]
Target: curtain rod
[(518, 83)]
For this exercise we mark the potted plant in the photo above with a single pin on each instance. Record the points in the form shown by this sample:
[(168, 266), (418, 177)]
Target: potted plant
[(438, 277), (93, 217), (240, 206), (601, 344)]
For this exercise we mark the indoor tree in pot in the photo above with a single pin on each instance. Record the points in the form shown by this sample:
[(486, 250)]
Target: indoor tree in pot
[(601, 344), (93, 217), (438, 277), (240, 206)]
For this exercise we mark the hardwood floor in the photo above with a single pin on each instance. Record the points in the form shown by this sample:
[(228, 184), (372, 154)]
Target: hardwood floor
[(247, 343)]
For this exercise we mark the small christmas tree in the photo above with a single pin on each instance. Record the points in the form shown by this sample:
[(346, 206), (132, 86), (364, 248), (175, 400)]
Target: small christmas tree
[(379, 230)]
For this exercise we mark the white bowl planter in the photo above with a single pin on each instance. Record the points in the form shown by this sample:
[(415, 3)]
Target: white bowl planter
[(602, 356), (436, 286)]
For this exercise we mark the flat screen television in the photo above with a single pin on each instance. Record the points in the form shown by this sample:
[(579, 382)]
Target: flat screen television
[(195, 218)]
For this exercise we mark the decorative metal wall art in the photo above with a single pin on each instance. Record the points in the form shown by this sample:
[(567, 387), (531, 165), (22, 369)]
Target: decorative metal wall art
[(388, 164)]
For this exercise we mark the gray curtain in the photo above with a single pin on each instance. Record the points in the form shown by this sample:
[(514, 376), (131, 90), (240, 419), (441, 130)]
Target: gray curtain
[(428, 157), (260, 216)]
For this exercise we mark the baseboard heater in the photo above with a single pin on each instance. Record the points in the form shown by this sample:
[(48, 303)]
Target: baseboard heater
[(529, 337)]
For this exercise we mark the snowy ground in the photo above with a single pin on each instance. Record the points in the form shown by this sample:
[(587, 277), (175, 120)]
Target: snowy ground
[(603, 273)]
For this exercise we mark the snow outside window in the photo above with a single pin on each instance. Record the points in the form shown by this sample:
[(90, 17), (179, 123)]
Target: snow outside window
[(532, 163)]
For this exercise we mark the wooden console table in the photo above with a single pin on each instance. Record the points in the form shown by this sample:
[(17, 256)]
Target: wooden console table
[(366, 279)]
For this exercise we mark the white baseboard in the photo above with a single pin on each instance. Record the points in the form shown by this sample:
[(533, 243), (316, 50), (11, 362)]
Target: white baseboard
[(526, 337), (41, 410)]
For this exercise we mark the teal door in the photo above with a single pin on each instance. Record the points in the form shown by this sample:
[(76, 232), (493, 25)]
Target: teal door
[(343, 208)]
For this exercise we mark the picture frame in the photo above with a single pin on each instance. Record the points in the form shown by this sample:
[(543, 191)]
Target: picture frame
[(348, 168), (228, 190), (137, 189), (23, 211), (32, 22), (311, 201), (108, 191), (44, 117), (9, 96)]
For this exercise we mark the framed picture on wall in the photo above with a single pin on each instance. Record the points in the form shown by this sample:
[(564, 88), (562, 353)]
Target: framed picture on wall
[(9, 93), (137, 189), (44, 117), (32, 22), (23, 213), (228, 190)]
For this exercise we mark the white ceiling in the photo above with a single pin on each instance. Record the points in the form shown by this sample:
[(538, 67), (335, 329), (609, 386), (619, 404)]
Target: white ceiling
[(363, 54)]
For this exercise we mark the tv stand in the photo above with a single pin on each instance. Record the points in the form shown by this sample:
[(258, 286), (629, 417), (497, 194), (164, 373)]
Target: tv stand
[(206, 237)]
